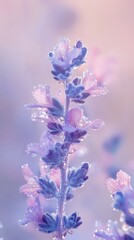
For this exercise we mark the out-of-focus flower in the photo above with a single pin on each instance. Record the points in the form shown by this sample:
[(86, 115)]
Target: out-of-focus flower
[(31, 187), (96, 124), (42, 96), (123, 196), (112, 145), (121, 183), (64, 58), (102, 67), (113, 232), (124, 202), (41, 148), (34, 212), (62, 15)]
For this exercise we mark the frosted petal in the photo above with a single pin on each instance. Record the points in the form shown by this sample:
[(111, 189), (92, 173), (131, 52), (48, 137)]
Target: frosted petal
[(97, 124), (89, 80), (42, 95), (74, 116)]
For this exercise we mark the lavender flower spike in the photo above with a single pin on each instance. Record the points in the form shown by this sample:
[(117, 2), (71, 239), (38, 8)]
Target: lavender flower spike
[(66, 126)]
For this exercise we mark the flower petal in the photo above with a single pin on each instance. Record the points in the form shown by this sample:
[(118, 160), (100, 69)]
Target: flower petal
[(112, 185), (42, 95), (89, 80), (27, 172), (74, 116), (123, 179), (97, 124), (121, 183), (98, 91)]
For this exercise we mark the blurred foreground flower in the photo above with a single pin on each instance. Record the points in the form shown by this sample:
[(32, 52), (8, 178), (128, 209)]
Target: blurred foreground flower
[(123, 201)]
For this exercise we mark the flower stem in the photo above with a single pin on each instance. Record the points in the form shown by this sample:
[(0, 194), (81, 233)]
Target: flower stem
[(61, 202), (63, 185)]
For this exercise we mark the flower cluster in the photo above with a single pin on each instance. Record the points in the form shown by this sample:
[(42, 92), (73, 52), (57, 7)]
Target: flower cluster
[(66, 127), (123, 200)]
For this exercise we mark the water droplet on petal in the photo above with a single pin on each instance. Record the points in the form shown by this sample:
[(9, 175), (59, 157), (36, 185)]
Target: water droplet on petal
[(70, 231), (72, 151)]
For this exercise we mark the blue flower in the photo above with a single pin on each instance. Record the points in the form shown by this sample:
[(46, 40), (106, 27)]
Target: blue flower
[(112, 171), (33, 213), (129, 219), (128, 237), (119, 201), (49, 188), (112, 145), (72, 221), (54, 128), (55, 156), (49, 224), (64, 58), (56, 109), (76, 178), (113, 232), (75, 91), (75, 136)]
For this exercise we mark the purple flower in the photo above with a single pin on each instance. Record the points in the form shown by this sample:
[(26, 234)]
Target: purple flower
[(75, 136), (92, 86), (31, 187), (72, 221), (48, 106), (41, 148), (123, 196), (49, 223), (56, 156), (113, 232), (64, 58), (66, 126), (76, 178), (42, 96), (34, 212), (124, 202), (112, 145), (54, 128), (120, 184), (48, 187), (76, 91)]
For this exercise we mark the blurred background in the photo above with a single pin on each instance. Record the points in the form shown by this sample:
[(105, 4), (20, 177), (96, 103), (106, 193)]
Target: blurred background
[(28, 31)]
